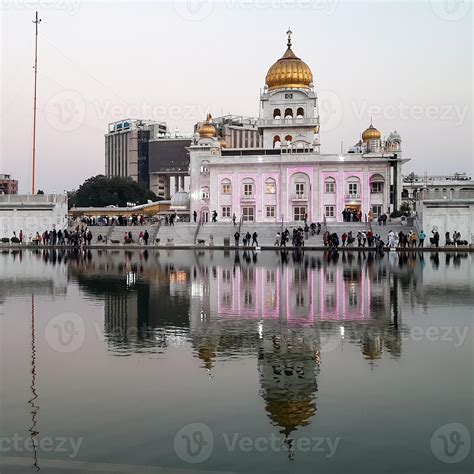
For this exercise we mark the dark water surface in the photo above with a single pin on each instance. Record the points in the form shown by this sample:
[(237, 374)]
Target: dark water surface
[(183, 361)]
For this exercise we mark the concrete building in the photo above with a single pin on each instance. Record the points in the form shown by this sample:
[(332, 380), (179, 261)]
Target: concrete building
[(169, 166), (236, 131), (8, 185), (287, 178), (127, 148), (414, 184), (446, 211), (32, 213)]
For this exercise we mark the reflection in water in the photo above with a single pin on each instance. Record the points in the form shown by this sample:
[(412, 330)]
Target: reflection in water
[(34, 408), (284, 310)]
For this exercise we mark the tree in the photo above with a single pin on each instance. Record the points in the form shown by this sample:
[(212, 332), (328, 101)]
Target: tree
[(100, 191)]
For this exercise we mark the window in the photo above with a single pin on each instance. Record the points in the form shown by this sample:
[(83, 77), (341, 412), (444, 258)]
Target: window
[(299, 189), (270, 186), (288, 139), (248, 214), (299, 213), (226, 186), (270, 211), (376, 187), (377, 209), (276, 114), (276, 141), (353, 189), (330, 186), (288, 96), (248, 190), (300, 112), (330, 211), (225, 211), (288, 113), (205, 193), (205, 167)]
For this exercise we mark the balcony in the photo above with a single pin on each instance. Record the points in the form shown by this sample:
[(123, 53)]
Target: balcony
[(299, 197), (247, 197), (352, 197), (289, 122)]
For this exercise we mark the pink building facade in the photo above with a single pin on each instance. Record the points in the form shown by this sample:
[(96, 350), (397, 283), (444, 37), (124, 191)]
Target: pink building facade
[(289, 179)]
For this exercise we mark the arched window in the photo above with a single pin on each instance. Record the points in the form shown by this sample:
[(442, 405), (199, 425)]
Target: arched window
[(270, 186), (288, 139), (276, 141), (289, 113), (277, 114), (248, 188), (226, 186), (329, 185), (300, 112), (300, 185), (204, 192), (353, 187), (376, 183)]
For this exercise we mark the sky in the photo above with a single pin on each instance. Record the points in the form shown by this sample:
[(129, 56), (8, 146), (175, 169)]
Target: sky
[(407, 64)]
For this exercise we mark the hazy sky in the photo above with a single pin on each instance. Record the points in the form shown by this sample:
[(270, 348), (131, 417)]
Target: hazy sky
[(408, 64)]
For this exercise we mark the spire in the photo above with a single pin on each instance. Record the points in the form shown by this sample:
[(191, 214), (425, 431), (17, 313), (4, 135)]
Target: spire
[(289, 33)]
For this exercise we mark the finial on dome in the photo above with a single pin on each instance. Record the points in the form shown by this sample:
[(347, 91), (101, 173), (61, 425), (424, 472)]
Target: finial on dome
[(209, 117), (289, 33)]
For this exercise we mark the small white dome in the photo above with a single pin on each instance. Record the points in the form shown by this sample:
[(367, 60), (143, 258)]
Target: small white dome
[(181, 198)]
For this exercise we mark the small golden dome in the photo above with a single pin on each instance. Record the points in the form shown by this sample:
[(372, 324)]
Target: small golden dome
[(289, 72), (207, 130), (371, 134)]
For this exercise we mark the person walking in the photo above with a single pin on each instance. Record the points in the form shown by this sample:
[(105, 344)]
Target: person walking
[(344, 238), (254, 239), (234, 218), (195, 215), (237, 238), (146, 236), (214, 216)]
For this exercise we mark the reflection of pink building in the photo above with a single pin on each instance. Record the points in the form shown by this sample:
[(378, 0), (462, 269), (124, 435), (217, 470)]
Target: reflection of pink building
[(286, 176), (295, 294)]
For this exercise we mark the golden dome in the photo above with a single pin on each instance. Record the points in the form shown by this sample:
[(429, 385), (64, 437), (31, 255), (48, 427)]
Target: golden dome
[(371, 134), (207, 130), (289, 72)]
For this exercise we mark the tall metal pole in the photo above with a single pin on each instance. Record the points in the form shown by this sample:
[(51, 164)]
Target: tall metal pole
[(36, 21)]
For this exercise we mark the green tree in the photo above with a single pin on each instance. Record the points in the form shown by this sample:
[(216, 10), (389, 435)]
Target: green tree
[(100, 191)]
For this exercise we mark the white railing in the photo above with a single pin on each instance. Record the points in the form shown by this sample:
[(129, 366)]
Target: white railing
[(352, 196), (248, 197), (299, 197), (290, 121)]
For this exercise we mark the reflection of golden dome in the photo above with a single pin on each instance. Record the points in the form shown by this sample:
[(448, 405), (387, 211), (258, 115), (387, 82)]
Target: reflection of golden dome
[(207, 355), (291, 414), (223, 143), (371, 134), (289, 72), (207, 130)]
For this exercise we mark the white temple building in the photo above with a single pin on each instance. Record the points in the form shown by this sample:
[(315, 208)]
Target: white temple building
[(288, 178)]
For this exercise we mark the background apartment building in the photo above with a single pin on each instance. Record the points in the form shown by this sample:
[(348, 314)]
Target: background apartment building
[(8, 185)]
